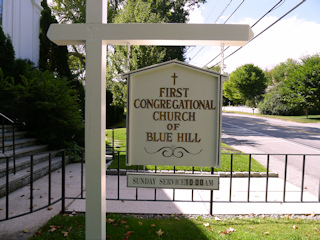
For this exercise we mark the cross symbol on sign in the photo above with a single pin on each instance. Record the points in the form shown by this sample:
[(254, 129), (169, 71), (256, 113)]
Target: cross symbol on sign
[(96, 34), (174, 78)]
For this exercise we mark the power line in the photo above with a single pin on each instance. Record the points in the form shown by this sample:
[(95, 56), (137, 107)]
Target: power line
[(223, 11), (224, 23), (215, 22), (194, 47), (272, 9), (213, 8), (234, 11), (195, 54), (264, 30)]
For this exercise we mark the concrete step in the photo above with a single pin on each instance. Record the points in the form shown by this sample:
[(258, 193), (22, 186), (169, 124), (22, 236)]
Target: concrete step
[(8, 136), (24, 148), (8, 128), (26, 151), (24, 162), (19, 143), (23, 177)]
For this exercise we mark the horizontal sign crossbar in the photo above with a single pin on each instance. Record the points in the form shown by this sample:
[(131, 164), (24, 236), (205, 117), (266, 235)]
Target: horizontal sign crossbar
[(169, 34)]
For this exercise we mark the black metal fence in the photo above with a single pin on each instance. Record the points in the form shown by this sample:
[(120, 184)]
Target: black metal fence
[(5, 121), (230, 175), (46, 200)]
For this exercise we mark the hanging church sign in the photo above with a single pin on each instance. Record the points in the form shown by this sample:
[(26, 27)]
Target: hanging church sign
[(174, 115)]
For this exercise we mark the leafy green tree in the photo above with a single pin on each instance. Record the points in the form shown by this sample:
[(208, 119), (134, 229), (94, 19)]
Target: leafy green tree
[(298, 91), (214, 68), (280, 72), (154, 11), (303, 84), (126, 11), (145, 11), (70, 11), (6, 54), (230, 92), (246, 85)]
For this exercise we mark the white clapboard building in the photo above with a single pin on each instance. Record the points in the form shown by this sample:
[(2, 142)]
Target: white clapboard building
[(20, 19)]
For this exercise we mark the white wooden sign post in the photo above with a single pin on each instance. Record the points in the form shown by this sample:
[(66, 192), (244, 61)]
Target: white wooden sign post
[(96, 34)]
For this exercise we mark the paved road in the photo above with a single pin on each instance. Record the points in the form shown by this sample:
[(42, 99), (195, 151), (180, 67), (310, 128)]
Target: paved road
[(252, 134)]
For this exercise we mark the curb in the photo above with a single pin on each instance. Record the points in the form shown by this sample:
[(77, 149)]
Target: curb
[(123, 172)]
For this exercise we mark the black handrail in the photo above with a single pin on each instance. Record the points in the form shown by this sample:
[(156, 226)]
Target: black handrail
[(5, 118)]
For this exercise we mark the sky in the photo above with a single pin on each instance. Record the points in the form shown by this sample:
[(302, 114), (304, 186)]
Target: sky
[(294, 36)]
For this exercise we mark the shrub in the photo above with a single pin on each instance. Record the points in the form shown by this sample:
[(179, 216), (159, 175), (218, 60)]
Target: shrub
[(46, 104), (274, 103)]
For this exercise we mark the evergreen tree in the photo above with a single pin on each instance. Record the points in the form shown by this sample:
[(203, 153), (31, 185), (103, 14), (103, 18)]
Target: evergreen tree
[(6, 54), (52, 57)]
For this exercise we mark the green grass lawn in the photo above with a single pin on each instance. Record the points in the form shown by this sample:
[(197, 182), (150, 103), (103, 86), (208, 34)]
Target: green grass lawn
[(299, 119), (180, 227), (240, 162)]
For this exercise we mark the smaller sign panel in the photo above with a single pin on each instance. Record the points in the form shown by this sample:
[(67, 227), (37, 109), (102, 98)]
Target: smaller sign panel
[(173, 181)]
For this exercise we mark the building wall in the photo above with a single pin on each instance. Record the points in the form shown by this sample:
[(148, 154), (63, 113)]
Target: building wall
[(21, 21)]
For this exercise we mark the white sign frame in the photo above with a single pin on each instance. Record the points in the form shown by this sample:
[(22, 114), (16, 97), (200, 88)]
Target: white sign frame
[(166, 123)]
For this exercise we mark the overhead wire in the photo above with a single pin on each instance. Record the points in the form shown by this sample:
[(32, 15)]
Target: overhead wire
[(234, 11), (277, 5), (213, 8), (214, 22), (223, 11), (264, 30), (194, 47)]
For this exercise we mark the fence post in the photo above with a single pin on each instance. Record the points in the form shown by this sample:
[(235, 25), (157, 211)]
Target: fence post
[(192, 189), (7, 187), (49, 185), (13, 149), (302, 180), (155, 190), (31, 183), (267, 183), (118, 175), (173, 190), (211, 195), (63, 178), (137, 188), (112, 143), (319, 191), (2, 135), (249, 178), (285, 178), (231, 170), (82, 156)]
